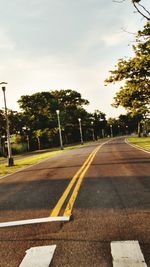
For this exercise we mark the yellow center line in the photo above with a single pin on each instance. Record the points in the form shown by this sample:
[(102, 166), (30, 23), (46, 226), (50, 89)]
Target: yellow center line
[(73, 197), (61, 201)]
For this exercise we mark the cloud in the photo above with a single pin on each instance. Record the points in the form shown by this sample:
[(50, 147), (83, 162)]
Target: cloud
[(113, 39), (63, 44), (5, 42)]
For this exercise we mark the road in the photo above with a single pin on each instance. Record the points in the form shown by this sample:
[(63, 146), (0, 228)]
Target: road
[(28, 154), (103, 190)]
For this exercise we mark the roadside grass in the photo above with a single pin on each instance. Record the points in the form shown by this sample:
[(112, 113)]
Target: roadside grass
[(143, 142), (32, 159), (21, 163)]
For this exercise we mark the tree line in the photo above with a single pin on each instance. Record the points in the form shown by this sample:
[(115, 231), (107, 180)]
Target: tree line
[(36, 125)]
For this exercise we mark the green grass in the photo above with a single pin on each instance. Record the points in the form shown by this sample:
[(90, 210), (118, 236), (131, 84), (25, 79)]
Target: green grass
[(33, 159), (21, 163), (143, 142), (30, 160)]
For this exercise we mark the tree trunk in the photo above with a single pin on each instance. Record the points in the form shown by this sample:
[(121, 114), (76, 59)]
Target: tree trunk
[(139, 129), (39, 143)]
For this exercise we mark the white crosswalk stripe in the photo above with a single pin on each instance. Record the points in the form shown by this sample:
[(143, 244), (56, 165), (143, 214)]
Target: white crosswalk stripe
[(38, 256), (127, 254), (124, 254)]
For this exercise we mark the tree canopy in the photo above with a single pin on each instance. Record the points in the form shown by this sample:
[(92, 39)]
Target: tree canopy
[(39, 111), (139, 7), (134, 95)]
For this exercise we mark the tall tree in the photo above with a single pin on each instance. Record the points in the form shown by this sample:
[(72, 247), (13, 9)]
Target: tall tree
[(39, 110), (139, 7), (71, 106), (134, 95), (99, 123)]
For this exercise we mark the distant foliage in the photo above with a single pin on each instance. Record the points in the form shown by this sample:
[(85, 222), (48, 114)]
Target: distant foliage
[(134, 95)]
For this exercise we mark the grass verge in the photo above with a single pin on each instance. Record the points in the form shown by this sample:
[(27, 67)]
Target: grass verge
[(143, 142), (30, 160), (21, 163), (33, 159)]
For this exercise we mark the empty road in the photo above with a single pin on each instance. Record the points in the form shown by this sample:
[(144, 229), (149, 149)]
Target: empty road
[(86, 198)]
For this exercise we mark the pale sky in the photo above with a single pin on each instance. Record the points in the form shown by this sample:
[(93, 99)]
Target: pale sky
[(65, 44)]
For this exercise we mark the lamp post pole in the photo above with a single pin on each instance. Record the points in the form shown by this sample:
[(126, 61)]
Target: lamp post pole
[(25, 128), (93, 131), (111, 130), (127, 130), (60, 135), (10, 158), (118, 129), (80, 127)]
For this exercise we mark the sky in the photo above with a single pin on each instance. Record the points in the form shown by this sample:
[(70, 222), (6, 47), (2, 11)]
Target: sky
[(65, 44)]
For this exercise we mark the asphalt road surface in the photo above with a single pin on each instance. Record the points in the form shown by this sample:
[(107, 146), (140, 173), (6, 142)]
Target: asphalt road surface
[(103, 191)]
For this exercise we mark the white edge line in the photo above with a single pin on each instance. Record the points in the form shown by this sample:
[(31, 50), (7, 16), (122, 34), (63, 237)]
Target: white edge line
[(137, 147), (33, 221)]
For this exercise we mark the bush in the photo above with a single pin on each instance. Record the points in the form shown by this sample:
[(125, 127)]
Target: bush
[(19, 148)]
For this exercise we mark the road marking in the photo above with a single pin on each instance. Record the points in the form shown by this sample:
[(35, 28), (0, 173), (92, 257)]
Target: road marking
[(127, 254), (33, 221), (79, 175), (73, 197), (54, 215), (61, 201), (38, 256), (137, 147)]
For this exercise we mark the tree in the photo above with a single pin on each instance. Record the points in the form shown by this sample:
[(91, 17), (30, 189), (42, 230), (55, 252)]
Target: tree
[(38, 135), (134, 95), (71, 106), (128, 123), (140, 8), (39, 111), (99, 123)]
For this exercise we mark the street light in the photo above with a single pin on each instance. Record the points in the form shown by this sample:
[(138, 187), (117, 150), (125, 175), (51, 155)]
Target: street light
[(60, 136), (25, 128), (80, 127), (118, 129), (10, 159), (103, 132), (111, 130), (93, 131)]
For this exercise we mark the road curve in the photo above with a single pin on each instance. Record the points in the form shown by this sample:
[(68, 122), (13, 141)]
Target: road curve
[(112, 204)]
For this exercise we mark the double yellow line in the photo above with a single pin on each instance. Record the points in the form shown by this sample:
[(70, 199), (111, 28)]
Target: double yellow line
[(76, 182)]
